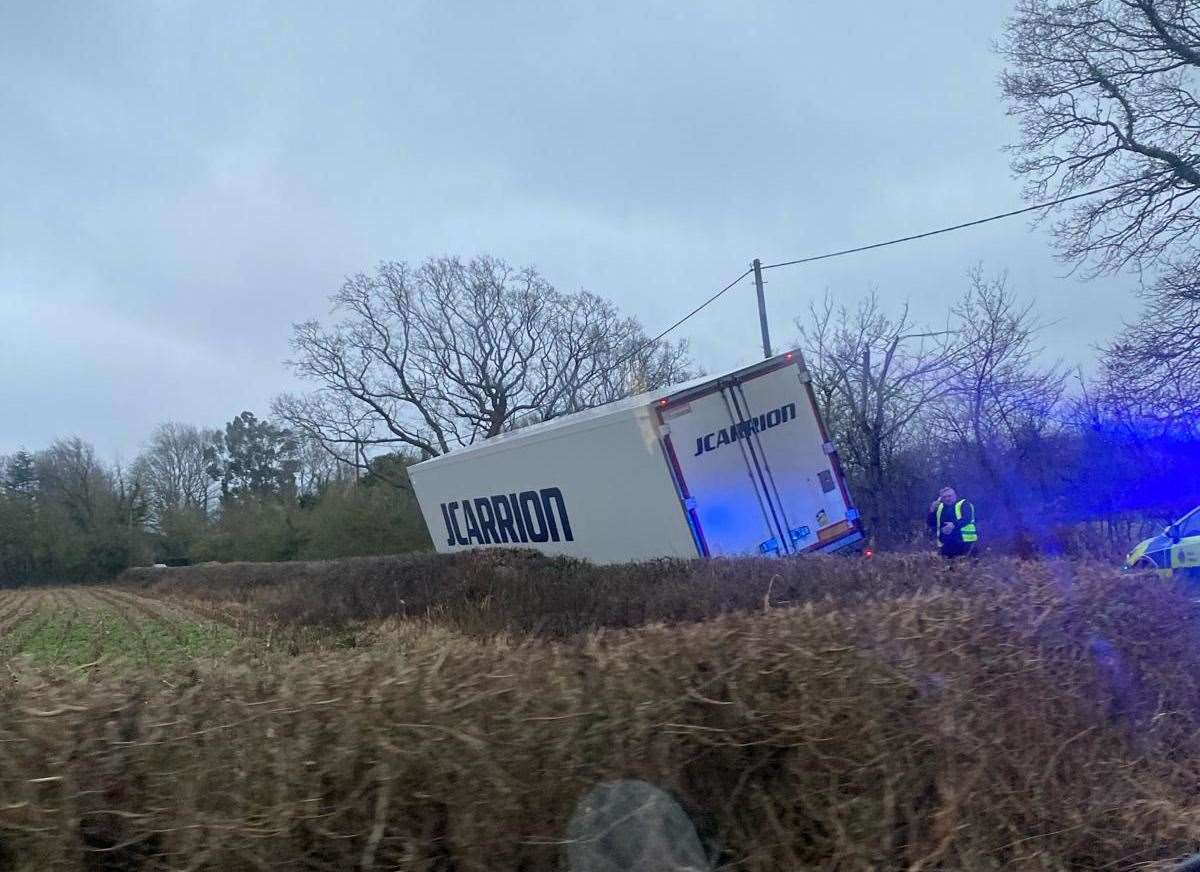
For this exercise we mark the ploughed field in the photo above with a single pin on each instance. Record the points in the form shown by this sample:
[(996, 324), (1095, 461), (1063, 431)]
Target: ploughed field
[(87, 627), (475, 711)]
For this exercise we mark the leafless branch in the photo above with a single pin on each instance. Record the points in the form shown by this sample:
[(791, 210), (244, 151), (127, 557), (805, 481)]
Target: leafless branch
[(431, 357)]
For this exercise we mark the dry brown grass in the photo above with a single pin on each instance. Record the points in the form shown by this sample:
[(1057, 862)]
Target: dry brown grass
[(1009, 716)]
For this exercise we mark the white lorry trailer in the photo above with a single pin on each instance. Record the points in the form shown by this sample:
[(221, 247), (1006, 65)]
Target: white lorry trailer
[(730, 464)]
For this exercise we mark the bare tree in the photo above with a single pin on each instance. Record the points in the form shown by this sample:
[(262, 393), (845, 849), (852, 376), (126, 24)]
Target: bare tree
[(73, 479), (876, 375), (1001, 396), (175, 470), (87, 504), (342, 426), (1106, 91), (127, 487), (446, 353), (999, 389), (1150, 375), (316, 468)]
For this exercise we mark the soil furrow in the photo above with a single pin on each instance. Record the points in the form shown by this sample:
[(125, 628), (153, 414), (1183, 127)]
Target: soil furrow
[(22, 610), (11, 604), (155, 611), (38, 612), (122, 610)]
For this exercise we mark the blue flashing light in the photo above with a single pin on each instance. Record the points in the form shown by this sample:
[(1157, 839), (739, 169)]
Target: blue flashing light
[(771, 546), (799, 534)]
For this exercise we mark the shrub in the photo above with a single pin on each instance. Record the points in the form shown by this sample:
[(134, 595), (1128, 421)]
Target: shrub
[(824, 713), (1016, 717)]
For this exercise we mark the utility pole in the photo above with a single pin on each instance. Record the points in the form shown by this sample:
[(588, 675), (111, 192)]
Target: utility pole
[(762, 308)]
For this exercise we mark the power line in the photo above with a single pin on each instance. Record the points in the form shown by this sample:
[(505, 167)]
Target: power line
[(975, 223), (1044, 205), (695, 311)]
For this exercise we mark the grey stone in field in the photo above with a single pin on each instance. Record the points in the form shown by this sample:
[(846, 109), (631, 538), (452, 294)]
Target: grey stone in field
[(632, 826)]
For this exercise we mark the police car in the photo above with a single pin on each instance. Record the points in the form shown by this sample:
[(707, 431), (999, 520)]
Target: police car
[(1175, 552)]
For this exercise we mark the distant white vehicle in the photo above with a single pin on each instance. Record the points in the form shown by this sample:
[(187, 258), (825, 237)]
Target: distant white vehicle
[(730, 464)]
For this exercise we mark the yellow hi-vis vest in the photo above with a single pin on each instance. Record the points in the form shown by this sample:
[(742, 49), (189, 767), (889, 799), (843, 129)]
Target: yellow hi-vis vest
[(969, 533)]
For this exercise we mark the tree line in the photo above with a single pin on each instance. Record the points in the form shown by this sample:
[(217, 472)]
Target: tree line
[(972, 402), (421, 358), (1053, 461), (249, 491)]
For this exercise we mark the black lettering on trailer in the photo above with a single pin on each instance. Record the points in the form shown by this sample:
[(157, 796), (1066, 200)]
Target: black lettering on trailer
[(552, 496), (487, 521), (530, 499), (472, 524), (745, 427), (530, 516), (459, 538), (504, 519), (515, 504)]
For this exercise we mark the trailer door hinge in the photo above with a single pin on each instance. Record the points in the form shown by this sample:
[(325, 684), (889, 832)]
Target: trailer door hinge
[(805, 378), (689, 503), (830, 448)]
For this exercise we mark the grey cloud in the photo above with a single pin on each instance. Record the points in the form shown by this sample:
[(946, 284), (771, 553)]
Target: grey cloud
[(181, 180)]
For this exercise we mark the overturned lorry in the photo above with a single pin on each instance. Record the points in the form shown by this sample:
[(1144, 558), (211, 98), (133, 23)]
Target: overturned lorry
[(730, 464)]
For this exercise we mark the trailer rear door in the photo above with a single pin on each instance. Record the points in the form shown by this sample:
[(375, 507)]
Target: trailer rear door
[(728, 508), (754, 465)]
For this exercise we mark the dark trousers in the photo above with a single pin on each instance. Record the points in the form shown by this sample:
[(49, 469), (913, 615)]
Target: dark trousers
[(955, 550)]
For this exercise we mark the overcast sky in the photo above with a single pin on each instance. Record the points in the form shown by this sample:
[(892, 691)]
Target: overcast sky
[(181, 181)]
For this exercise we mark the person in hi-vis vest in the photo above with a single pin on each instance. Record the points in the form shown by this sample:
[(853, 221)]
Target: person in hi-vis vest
[(953, 524)]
